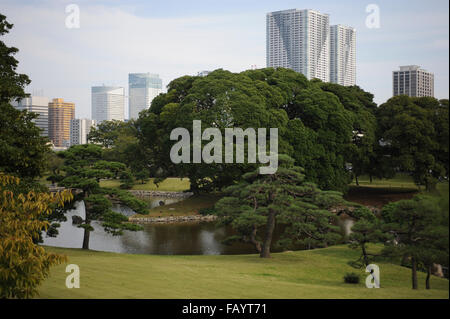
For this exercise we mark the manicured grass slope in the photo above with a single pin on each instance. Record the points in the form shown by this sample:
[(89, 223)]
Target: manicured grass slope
[(168, 185), (302, 274)]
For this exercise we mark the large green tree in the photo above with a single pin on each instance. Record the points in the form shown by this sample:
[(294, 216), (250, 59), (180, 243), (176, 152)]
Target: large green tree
[(420, 227), (316, 123), (83, 169), (259, 202), (414, 134), (22, 149)]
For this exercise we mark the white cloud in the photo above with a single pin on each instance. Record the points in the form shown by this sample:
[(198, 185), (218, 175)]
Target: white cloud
[(111, 42)]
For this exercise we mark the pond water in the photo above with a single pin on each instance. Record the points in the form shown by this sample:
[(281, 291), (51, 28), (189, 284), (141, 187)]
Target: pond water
[(162, 239)]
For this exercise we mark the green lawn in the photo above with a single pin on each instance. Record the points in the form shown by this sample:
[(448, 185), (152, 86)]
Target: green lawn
[(302, 274), (399, 181), (168, 185)]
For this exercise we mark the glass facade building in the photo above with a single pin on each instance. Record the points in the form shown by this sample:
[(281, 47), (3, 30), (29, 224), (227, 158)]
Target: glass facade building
[(38, 105), (142, 89), (108, 103)]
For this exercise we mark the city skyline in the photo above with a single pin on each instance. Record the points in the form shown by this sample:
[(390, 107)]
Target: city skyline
[(203, 36)]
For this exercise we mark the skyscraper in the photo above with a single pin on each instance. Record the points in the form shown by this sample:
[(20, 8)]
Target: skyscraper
[(107, 103), (413, 81), (342, 55), (299, 40), (38, 105), (60, 114), (79, 130), (142, 89)]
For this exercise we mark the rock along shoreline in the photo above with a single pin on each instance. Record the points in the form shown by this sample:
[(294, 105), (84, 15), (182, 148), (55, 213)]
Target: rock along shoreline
[(161, 193), (168, 219), (172, 219)]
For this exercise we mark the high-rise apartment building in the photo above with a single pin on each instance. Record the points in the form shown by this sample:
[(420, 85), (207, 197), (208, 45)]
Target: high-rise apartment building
[(299, 40), (142, 89), (60, 114), (342, 55), (79, 130), (38, 105), (413, 81), (108, 103)]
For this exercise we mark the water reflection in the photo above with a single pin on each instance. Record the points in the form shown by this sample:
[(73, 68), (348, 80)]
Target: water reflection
[(165, 239)]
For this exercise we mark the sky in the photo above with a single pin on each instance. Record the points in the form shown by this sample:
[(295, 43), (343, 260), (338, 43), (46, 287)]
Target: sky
[(173, 38)]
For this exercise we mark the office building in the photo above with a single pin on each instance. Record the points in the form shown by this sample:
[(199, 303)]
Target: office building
[(342, 55), (413, 81), (142, 89), (60, 114), (299, 40), (38, 105), (79, 130), (107, 103), (203, 73)]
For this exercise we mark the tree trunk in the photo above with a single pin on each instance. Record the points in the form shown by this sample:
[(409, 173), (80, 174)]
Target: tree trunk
[(253, 240), (265, 252), (430, 186), (414, 272), (356, 180), (427, 280), (87, 233), (366, 259)]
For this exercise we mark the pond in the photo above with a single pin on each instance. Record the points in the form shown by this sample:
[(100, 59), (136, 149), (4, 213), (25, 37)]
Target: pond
[(163, 239)]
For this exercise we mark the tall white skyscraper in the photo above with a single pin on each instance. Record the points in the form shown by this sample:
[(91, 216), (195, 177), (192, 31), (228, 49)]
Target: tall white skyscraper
[(299, 40), (108, 103), (143, 88), (38, 105), (79, 130), (413, 81), (342, 55)]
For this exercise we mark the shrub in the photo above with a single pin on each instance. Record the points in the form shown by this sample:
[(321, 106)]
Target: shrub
[(351, 278), (207, 211)]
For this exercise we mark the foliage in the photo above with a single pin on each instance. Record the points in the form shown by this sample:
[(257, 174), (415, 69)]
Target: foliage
[(351, 278), (84, 167), (105, 133), (126, 180), (24, 264), (259, 201), (22, 149), (414, 135), (316, 124), (367, 229), (207, 211), (420, 227)]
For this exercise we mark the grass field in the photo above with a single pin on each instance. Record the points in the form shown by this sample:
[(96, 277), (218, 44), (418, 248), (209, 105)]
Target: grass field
[(168, 185), (399, 181), (301, 274)]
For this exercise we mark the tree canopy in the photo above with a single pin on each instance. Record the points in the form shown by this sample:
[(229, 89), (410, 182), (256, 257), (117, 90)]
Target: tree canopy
[(324, 127), (414, 134)]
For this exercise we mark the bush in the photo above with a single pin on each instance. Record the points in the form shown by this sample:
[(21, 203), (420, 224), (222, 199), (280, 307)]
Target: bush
[(207, 211), (351, 278)]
